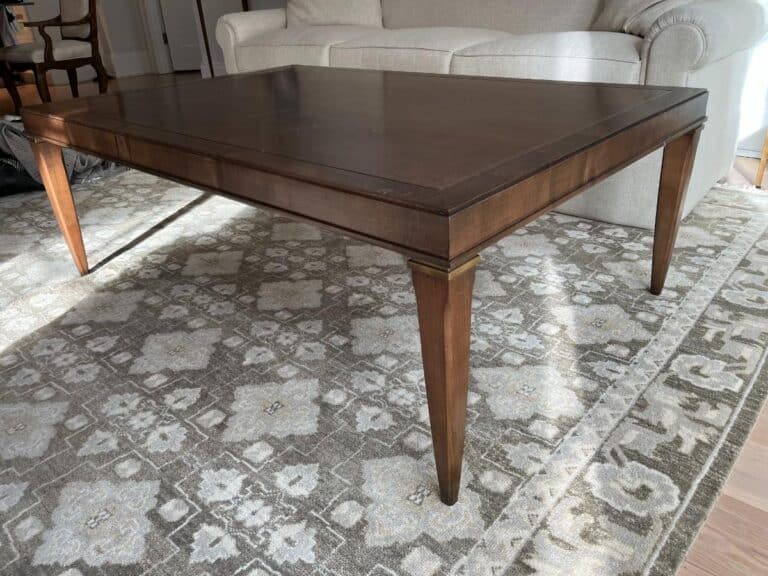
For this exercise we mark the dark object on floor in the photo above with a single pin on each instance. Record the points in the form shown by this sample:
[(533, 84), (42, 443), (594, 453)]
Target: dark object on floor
[(14, 179), (15, 146)]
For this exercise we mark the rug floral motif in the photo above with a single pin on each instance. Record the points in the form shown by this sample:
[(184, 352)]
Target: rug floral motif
[(232, 392)]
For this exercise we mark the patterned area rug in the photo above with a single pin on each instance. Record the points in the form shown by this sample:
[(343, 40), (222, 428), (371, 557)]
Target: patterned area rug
[(231, 392)]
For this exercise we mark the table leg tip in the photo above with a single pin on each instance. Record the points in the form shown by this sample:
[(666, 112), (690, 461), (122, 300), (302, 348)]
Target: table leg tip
[(449, 499)]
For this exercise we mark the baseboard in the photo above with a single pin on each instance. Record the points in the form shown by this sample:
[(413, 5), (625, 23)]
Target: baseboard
[(748, 153), (131, 63)]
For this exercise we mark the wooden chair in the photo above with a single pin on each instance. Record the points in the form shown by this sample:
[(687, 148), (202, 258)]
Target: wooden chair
[(79, 46), (763, 164)]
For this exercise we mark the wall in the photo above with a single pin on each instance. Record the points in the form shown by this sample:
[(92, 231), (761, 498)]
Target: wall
[(754, 108), (264, 4), (125, 37)]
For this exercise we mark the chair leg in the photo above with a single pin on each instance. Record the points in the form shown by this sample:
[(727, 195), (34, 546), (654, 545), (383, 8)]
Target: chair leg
[(763, 164), (41, 79), (10, 85), (72, 76), (101, 72)]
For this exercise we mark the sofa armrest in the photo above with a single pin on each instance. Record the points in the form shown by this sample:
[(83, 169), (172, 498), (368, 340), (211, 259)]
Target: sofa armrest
[(233, 30), (691, 36)]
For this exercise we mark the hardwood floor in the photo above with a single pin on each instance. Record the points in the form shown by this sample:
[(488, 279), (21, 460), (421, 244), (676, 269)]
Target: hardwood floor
[(734, 539), (29, 95), (744, 171)]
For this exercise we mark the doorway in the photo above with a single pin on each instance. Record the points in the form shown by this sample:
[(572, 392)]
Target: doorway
[(172, 36), (181, 34)]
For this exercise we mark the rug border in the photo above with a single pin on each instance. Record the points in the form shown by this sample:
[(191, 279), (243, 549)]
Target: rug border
[(675, 550)]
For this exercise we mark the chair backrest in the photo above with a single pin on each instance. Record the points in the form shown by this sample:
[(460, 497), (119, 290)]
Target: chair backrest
[(72, 10)]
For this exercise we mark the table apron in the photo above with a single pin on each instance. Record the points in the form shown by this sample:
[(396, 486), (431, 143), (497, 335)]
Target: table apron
[(440, 240), (417, 234), (485, 222)]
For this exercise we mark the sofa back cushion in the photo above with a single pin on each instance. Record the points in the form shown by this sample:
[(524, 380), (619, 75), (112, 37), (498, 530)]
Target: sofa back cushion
[(515, 16), (334, 12)]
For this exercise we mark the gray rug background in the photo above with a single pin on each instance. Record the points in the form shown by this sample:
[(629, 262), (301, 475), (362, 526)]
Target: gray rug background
[(231, 392)]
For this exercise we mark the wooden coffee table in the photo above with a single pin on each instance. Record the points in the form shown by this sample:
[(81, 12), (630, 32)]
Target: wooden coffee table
[(434, 167)]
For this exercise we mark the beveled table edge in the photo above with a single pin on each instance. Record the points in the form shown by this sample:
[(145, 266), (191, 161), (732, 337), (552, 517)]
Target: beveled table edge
[(440, 201)]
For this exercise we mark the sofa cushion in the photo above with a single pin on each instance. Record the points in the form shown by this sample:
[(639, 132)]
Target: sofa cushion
[(569, 56), (516, 16), (34, 52), (334, 12), (307, 45), (634, 16), (409, 49)]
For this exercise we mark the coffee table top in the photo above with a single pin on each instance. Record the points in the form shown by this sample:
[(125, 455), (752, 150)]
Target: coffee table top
[(431, 142)]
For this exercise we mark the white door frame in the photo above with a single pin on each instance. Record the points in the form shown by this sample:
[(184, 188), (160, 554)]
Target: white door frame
[(154, 30), (183, 32)]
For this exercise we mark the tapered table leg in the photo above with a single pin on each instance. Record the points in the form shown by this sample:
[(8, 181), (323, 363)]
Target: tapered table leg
[(51, 165), (444, 301), (675, 176)]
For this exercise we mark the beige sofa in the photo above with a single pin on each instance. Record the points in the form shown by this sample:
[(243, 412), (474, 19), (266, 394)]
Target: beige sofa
[(701, 43)]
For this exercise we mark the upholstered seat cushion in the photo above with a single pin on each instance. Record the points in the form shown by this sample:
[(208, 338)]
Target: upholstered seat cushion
[(33, 52), (569, 56), (410, 49), (307, 45)]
